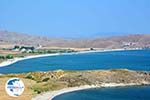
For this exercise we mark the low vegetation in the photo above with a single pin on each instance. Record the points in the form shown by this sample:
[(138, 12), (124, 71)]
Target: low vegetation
[(38, 82), (9, 56), (31, 51)]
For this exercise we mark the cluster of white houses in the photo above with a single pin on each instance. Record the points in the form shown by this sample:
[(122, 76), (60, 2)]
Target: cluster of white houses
[(26, 49)]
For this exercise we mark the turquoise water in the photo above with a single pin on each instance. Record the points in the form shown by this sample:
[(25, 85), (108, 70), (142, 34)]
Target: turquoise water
[(121, 93), (134, 60)]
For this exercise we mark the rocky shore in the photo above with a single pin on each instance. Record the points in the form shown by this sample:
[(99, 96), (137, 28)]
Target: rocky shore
[(47, 85), (52, 94), (98, 79)]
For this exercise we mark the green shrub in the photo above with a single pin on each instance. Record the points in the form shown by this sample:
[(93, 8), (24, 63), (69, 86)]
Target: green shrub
[(2, 57), (45, 79), (9, 57), (37, 91), (30, 77)]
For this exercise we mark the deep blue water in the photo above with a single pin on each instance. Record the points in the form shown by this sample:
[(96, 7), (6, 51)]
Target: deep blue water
[(134, 60), (121, 93)]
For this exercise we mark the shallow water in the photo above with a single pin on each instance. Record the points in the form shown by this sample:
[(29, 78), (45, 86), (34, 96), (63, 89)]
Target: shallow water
[(134, 60)]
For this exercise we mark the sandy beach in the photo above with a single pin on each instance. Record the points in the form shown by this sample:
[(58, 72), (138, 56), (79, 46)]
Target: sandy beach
[(51, 94), (11, 61)]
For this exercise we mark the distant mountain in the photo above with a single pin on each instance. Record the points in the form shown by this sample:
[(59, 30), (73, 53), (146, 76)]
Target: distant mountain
[(128, 41), (24, 39)]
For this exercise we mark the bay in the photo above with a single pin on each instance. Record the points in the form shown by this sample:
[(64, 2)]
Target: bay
[(115, 93), (131, 59)]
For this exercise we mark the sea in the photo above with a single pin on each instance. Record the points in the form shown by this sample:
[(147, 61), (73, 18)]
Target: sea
[(138, 60), (113, 93), (128, 59)]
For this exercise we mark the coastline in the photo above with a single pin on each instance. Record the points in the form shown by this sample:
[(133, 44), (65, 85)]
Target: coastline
[(52, 94), (12, 61)]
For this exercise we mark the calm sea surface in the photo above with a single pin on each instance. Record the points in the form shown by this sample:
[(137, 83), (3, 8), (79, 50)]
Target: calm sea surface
[(121, 93), (134, 60)]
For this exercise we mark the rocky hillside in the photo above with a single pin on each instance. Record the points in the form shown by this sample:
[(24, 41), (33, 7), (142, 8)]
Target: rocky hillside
[(62, 78), (128, 41), (39, 82)]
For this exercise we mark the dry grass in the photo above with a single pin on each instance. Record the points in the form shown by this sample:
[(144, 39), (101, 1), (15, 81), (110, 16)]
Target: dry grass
[(39, 82)]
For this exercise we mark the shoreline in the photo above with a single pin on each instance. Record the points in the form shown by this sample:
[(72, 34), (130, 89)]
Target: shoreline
[(52, 94), (12, 61)]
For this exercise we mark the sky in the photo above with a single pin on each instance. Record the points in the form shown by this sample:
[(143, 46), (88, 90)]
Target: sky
[(75, 18)]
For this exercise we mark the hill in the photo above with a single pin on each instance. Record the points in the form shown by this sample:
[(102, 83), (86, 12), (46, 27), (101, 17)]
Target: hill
[(41, 82), (128, 41)]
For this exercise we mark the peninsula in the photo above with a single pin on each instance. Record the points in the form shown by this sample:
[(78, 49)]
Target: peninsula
[(44, 85)]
